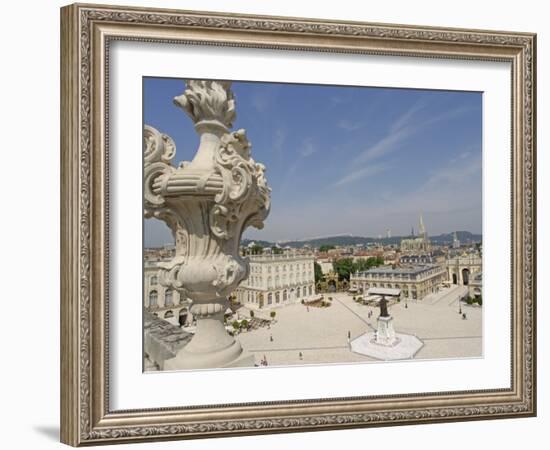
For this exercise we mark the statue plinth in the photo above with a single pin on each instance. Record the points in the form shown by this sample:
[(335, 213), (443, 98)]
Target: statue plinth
[(207, 203), (385, 334)]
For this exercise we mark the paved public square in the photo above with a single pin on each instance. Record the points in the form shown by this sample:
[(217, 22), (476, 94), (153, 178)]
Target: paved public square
[(321, 334)]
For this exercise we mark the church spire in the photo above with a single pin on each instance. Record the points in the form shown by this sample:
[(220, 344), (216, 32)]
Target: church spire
[(422, 228)]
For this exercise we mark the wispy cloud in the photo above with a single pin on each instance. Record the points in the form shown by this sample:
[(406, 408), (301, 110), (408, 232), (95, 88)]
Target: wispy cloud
[(279, 139), (405, 120), (260, 102), (398, 131), (405, 126), (336, 100), (349, 125), (359, 174), (304, 151), (453, 174), (460, 157), (384, 146), (307, 148)]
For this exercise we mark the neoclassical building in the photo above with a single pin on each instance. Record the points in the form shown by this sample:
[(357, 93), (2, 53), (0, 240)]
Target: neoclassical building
[(419, 244), (462, 268), (160, 301), (415, 282), (277, 280)]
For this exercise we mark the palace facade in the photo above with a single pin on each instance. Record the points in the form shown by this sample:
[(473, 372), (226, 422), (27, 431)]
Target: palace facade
[(158, 300), (415, 282), (277, 280)]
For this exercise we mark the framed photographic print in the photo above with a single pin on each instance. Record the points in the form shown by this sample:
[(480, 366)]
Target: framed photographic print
[(277, 225)]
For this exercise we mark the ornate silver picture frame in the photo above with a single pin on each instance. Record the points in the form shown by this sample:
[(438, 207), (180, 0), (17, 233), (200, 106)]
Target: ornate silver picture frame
[(87, 34)]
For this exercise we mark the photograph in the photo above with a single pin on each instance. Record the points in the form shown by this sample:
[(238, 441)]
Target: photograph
[(292, 224), (331, 222)]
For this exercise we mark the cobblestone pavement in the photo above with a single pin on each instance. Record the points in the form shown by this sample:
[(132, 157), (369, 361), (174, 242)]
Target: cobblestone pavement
[(321, 334)]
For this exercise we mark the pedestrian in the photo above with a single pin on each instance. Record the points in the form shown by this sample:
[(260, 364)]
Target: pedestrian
[(463, 316), (271, 337), (301, 356)]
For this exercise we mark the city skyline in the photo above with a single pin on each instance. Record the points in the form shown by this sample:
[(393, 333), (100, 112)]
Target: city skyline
[(347, 160)]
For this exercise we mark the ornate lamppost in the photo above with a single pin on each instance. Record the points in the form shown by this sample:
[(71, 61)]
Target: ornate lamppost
[(207, 203)]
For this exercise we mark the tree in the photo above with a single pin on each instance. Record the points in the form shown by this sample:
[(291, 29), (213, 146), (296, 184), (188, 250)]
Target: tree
[(325, 248), (272, 314), (251, 313), (343, 267), (362, 264), (256, 249), (235, 324), (276, 250), (318, 272), (244, 324)]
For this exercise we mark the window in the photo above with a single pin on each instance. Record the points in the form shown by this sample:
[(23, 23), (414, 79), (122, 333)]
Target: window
[(269, 298), (284, 295), (168, 298), (277, 297), (153, 298), (310, 290), (154, 280)]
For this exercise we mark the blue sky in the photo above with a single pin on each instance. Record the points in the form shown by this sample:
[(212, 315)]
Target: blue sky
[(347, 160)]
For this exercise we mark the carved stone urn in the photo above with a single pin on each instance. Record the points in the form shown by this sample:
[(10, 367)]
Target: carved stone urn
[(207, 203)]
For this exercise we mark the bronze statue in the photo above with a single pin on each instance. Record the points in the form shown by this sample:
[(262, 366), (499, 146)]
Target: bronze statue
[(383, 307)]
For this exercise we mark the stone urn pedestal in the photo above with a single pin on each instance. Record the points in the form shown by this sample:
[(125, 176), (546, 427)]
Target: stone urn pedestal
[(207, 203)]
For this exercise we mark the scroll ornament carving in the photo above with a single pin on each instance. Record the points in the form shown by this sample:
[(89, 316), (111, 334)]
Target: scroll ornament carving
[(159, 150), (245, 192)]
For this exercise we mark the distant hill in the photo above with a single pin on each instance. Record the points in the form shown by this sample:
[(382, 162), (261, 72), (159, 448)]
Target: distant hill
[(465, 237)]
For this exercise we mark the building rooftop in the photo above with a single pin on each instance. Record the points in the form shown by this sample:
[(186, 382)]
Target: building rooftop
[(401, 270)]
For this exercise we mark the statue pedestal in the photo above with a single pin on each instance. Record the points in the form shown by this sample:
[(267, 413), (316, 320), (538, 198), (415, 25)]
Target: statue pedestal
[(385, 334)]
